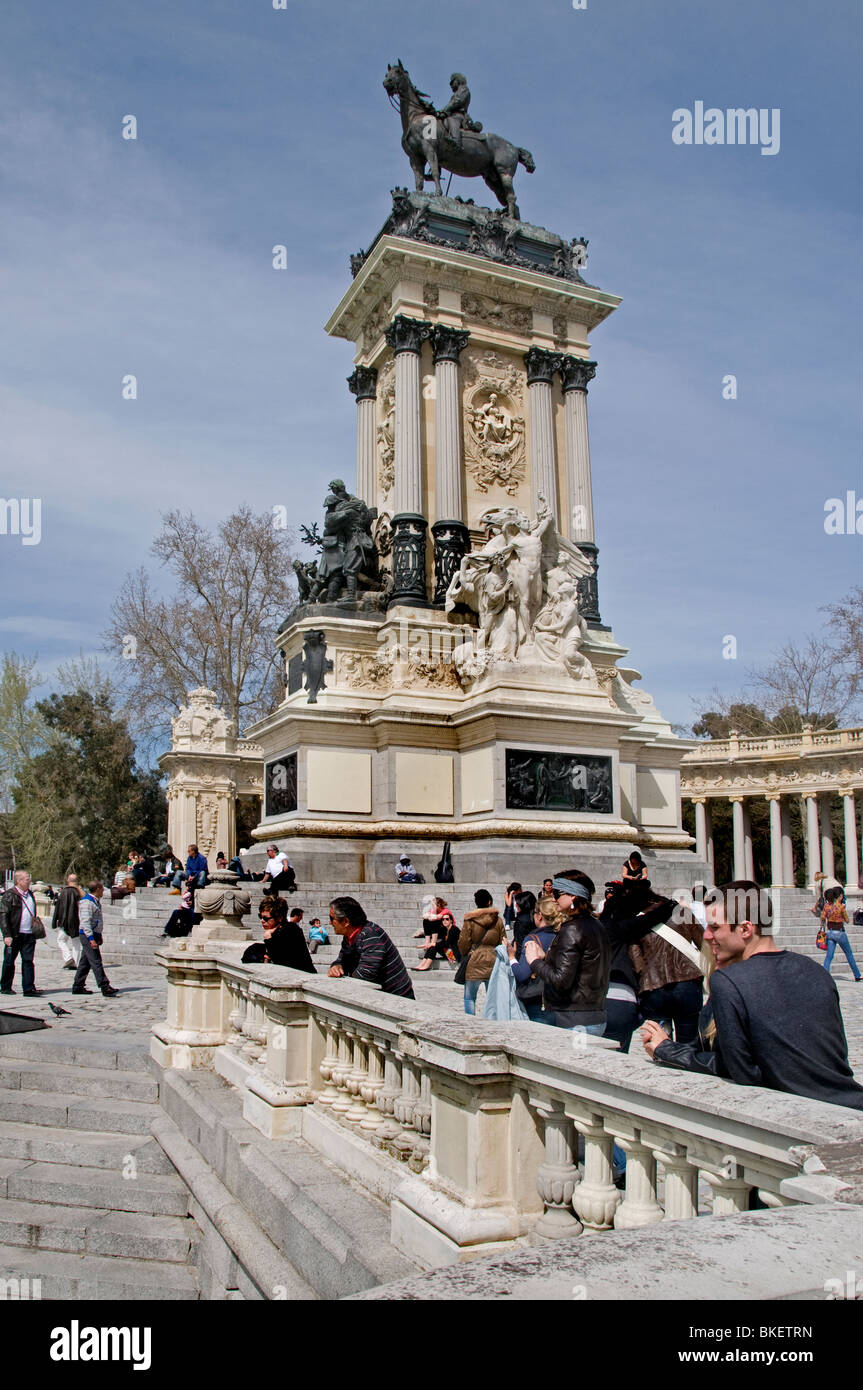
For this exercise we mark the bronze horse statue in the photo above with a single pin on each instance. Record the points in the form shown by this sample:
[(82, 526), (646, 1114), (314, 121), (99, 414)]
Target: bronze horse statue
[(425, 140)]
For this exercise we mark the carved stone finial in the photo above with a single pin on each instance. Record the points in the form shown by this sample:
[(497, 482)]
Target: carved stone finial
[(447, 343), (407, 335), (363, 383), (541, 365), (575, 373)]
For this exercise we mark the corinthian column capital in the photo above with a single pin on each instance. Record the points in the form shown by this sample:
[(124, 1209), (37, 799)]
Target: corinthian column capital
[(541, 365), (363, 383), (575, 373), (448, 342), (407, 335)]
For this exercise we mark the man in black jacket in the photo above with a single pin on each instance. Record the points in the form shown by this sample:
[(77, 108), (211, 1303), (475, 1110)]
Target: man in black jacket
[(65, 922), (17, 919)]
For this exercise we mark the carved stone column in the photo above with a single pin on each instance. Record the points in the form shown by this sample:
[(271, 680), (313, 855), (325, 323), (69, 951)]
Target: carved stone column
[(739, 836), (639, 1206), (681, 1184), (363, 383), (541, 367), (578, 524), (852, 859), (700, 804), (557, 1176), (748, 856), (828, 862), (788, 875), (813, 842), (406, 336), (776, 862), (596, 1198), (451, 536)]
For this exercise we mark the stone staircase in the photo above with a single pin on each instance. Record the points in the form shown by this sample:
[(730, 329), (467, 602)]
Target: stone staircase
[(90, 1206), (796, 929)]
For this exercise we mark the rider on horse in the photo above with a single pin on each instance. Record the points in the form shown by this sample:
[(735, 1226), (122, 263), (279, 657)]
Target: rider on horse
[(454, 114)]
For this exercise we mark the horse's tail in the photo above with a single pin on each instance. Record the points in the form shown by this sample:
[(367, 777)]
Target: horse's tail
[(526, 158)]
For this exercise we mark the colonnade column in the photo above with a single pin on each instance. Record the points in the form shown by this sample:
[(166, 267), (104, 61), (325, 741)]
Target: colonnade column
[(777, 868), (578, 525), (451, 536), (825, 808), (813, 845), (541, 367), (852, 859), (739, 837), (363, 383), (700, 803), (748, 856), (788, 875), (406, 336)]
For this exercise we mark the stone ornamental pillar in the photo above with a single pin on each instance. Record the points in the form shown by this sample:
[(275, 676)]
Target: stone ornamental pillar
[(406, 336), (777, 869), (739, 836), (828, 862), (788, 875), (541, 367), (363, 383), (852, 861), (451, 536), (748, 856), (700, 803), (578, 524), (813, 846)]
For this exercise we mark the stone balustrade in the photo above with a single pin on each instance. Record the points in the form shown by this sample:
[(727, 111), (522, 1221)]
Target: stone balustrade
[(471, 1130)]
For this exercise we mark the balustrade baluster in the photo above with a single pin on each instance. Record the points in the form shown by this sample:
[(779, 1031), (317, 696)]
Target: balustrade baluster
[(385, 1099), (403, 1111), (329, 1062), (639, 1206), (681, 1184), (422, 1125), (557, 1175), (596, 1198), (354, 1081), (342, 1070), (374, 1080)]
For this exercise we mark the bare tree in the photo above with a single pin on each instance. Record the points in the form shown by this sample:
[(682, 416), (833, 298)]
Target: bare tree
[(232, 589), (845, 622)]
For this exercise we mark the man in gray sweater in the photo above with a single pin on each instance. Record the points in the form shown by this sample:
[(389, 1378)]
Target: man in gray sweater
[(777, 1014), (90, 933)]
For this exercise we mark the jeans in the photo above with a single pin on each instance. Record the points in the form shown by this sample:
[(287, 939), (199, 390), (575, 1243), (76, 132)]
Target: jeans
[(91, 959), (678, 1005), (621, 1022), (471, 990), (551, 1018), (840, 938), (25, 946), (180, 875)]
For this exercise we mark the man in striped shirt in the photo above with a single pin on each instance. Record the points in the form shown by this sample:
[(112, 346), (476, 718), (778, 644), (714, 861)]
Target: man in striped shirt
[(367, 952)]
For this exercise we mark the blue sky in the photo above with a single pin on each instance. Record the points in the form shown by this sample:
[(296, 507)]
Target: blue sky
[(259, 127)]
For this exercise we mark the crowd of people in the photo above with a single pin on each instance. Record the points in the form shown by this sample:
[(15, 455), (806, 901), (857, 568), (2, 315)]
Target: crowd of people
[(700, 974)]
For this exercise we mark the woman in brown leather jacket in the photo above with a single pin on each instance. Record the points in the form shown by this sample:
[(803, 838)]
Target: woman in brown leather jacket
[(481, 933)]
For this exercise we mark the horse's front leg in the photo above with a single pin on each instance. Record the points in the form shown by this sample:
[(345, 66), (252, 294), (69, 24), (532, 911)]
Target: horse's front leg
[(419, 168), (430, 152)]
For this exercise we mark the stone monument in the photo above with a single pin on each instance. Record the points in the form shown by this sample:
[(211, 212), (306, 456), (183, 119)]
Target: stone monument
[(449, 674)]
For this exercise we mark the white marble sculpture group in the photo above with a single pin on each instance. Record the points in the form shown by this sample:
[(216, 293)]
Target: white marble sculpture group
[(523, 584)]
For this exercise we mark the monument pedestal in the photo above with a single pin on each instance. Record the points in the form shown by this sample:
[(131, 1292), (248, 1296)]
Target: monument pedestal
[(478, 697)]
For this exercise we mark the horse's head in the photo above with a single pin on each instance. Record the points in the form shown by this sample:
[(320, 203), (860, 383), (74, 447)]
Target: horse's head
[(397, 79)]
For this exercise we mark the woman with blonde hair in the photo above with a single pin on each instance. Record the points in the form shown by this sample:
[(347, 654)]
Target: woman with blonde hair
[(433, 931), (546, 920)]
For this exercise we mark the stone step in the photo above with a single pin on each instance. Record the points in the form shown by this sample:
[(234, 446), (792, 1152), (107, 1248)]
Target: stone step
[(74, 1112), (95, 1231), (45, 1144), (68, 1185), (132, 1055), (83, 1081), (67, 1277)]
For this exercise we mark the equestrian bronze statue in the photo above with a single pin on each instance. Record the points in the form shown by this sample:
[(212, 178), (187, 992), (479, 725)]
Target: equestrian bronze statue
[(449, 139)]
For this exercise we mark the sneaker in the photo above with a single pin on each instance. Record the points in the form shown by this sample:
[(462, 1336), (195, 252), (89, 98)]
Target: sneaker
[(32, 993), (110, 993), (82, 990)]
